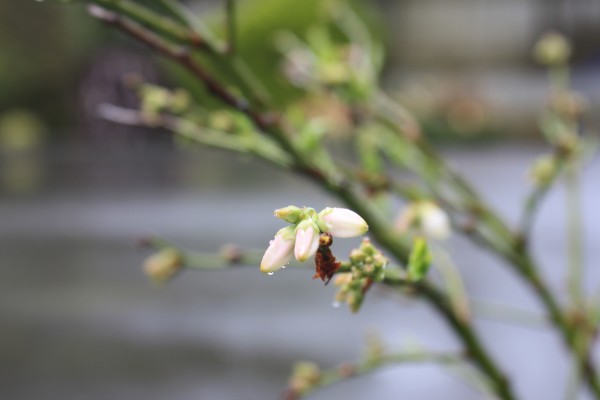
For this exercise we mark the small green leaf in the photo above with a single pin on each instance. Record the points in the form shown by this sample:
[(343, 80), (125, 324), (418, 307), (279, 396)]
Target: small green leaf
[(419, 260)]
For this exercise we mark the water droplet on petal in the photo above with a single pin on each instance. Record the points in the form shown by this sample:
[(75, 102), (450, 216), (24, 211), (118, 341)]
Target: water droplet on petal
[(270, 273)]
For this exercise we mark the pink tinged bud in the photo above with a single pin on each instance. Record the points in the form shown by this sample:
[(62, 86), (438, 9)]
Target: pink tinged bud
[(342, 222), (307, 240), (279, 252)]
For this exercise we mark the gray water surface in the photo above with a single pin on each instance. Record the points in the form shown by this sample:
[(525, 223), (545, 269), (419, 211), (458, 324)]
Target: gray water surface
[(79, 320)]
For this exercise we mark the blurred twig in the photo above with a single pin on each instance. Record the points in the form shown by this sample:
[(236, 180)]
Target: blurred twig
[(336, 375), (533, 202), (259, 146), (182, 56), (229, 255), (147, 18)]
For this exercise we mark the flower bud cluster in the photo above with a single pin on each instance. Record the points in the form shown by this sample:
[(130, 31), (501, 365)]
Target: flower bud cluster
[(226, 121), (156, 99), (367, 265), (425, 218), (301, 239), (323, 61)]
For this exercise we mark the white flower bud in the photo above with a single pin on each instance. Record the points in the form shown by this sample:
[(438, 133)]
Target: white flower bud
[(424, 218), (434, 221), (279, 252), (341, 222), (307, 240)]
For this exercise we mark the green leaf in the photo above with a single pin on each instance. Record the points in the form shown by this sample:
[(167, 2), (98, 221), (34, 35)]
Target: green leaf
[(419, 260)]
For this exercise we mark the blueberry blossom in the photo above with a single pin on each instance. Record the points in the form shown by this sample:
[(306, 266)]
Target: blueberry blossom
[(301, 239), (279, 252), (307, 240), (341, 222)]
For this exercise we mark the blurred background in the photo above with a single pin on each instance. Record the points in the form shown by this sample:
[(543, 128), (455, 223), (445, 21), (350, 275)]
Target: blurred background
[(78, 319)]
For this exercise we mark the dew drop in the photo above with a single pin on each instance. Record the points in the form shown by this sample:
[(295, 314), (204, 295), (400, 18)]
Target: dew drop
[(270, 273), (336, 304)]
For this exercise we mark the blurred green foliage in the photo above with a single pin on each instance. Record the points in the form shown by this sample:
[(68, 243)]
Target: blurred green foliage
[(258, 23), (44, 47), (19, 130)]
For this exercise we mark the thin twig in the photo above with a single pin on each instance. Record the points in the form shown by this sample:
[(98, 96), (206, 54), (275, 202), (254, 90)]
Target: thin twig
[(575, 228), (509, 314), (535, 199), (182, 56), (339, 374), (229, 256), (259, 146), (518, 258), (453, 283), (158, 23), (187, 17)]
